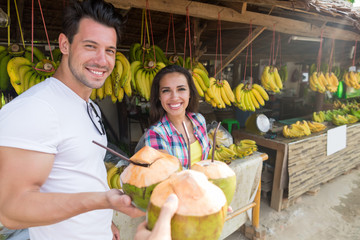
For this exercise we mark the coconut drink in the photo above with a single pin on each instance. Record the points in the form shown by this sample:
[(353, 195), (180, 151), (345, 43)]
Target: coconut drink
[(202, 206), (147, 169), (220, 174)]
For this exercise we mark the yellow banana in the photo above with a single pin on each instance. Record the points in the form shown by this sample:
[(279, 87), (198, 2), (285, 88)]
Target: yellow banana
[(238, 89), (198, 88), (116, 76), (126, 73), (93, 94), (262, 91), (277, 78), (258, 96), (200, 81), (100, 92), (203, 76), (228, 91), (223, 96), (253, 100), (108, 86), (120, 95)]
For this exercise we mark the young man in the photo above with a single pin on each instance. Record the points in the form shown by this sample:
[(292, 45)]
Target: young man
[(52, 177)]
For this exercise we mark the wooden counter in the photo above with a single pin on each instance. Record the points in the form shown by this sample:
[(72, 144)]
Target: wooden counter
[(302, 163)]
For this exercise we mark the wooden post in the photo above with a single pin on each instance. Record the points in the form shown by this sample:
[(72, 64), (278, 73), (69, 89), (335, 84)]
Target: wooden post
[(256, 209)]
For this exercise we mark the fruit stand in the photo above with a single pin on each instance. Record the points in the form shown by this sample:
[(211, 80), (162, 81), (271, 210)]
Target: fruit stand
[(302, 163), (248, 175)]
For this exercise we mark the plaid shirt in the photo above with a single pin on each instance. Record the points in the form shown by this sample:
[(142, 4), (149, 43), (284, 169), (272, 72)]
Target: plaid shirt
[(164, 135)]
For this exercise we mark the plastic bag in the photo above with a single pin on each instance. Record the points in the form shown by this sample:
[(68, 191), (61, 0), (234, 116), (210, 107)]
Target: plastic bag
[(113, 160), (223, 137)]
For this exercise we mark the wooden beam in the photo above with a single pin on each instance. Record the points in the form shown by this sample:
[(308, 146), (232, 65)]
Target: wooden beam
[(210, 12), (240, 48)]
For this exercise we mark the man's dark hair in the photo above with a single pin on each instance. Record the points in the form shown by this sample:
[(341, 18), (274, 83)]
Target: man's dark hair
[(156, 109), (98, 10)]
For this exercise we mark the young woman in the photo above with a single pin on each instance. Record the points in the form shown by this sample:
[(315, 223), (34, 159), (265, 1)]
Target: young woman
[(174, 100)]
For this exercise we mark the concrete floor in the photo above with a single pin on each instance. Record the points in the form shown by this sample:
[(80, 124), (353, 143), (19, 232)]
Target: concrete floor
[(333, 213)]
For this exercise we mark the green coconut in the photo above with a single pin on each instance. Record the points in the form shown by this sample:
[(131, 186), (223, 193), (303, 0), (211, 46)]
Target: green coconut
[(220, 174), (202, 206), (139, 181)]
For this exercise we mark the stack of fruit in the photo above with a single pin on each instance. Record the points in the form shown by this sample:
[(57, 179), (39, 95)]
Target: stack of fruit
[(23, 74), (15, 50), (297, 129), (352, 79), (113, 176), (201, 81), (318, 116), (250, 97), (338, 119), (118, 83), (237, 150), (147, 53), (143, 75), (320, 82), (219, 94), (315, 126), (270, 79)]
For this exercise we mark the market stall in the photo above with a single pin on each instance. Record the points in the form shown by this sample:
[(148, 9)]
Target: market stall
[(302, 164)]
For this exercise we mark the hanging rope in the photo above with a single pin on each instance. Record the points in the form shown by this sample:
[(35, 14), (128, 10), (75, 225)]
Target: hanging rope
[(8, 12), (249, 45), (187, 32), (320, 52), (354, 53), (331, 55), (171, 23), (218, 39), (277, 49), (32, 31), (18, 18), (152, 35), (46, 33)]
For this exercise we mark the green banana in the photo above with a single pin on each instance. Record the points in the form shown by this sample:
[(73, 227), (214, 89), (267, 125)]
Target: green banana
[(56, 53), (132, 52), (4, 76), (37, 53)]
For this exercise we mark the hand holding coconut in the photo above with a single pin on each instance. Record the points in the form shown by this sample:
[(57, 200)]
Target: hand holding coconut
[(122, 203), (162, 229)]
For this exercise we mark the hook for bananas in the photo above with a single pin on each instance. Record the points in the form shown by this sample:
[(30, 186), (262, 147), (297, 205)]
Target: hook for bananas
[(214, 142)]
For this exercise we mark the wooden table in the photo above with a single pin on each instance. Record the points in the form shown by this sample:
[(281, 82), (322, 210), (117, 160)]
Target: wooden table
[(302, 164), (280, 173)]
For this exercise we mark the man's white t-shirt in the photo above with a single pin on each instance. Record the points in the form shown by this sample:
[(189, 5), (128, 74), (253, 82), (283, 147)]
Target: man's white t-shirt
[(51, 118)]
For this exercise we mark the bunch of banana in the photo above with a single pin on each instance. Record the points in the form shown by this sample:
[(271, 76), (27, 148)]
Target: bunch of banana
[(315, 126), (143, 75), (118, 83), (318, 116), (244, 148), (223, 154), (38, 54), (320, 82), (297, 129), (139, 53), (201, 81), (344, 119), (113, 176), (15, 50), (250, 97), (283, 72), (176, 59), (219, 94), (338, 104), (352, 79), (270, 79), (23, 74)]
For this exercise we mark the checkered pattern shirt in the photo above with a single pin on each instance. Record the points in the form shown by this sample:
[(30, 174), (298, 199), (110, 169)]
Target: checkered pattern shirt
[(163, 135)]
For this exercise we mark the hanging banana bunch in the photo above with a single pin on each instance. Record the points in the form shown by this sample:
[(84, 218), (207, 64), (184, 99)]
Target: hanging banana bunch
[(320, 82), (250, 97), (270, 79), (118, 83), (219, 94), (352, 79)]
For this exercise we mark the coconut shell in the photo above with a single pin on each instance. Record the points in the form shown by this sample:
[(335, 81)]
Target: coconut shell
[(220, 174), (138, 181), (202, 206)]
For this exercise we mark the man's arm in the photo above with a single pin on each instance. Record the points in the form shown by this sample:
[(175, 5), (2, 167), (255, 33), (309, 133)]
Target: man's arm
[(22, 205)]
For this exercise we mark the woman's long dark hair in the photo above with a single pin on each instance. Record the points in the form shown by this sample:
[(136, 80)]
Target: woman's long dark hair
[(156, 110)]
